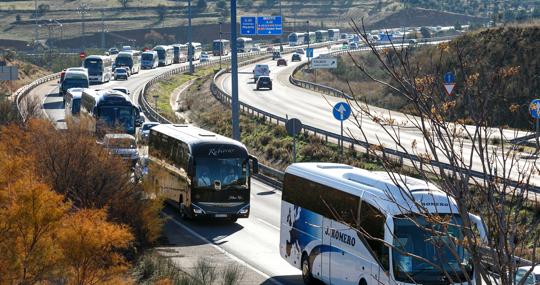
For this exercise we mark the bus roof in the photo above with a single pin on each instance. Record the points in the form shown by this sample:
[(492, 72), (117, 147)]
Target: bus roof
[(75, 92), (100, 57), (221, 40), (125, 54), (192, 135), (244, 39), (153, 52), (162, 47), (379, 184)]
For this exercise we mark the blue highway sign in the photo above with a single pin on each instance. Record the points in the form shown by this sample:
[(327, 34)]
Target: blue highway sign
[(449, 78), (534, 108), (341, 111), (270, 25), (309, 52), (248, 26)]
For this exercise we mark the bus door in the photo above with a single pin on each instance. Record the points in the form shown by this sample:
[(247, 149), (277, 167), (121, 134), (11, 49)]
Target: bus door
[(326, 252), (342, 258)]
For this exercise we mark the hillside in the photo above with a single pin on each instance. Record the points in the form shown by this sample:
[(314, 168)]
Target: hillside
[(58, 20), (500, 64), (27, 73)]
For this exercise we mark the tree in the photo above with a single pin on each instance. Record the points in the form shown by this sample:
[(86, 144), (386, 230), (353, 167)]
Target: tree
[(42, 9), (17, 18), (91, 247), (425, 32), (124, 3), (457, 26), (201, 5), (153, 37), (451, 150)]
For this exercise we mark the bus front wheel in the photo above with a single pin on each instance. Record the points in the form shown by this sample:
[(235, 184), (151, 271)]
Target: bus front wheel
[(306, 270)]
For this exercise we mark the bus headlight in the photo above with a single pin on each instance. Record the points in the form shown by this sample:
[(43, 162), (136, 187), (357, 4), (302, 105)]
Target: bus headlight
[(244, 210), (197, 210)]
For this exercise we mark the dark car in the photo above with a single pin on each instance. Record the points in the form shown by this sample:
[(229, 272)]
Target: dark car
[(281, 62), (296, 57), (276, 55), (264, 82)]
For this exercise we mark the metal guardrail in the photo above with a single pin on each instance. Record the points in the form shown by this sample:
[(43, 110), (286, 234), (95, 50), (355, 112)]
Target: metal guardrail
[(21, 93)]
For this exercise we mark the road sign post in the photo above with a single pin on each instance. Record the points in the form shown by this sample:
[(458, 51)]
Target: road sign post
[(293, 127), (341, 112), (534, 110)]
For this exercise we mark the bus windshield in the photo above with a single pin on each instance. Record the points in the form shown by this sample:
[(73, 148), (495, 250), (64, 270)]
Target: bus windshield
[(435, 243), (161, 53), (113, 115), (74, 82), (147, 56), (124, 61), (93, 65), (227, 172)]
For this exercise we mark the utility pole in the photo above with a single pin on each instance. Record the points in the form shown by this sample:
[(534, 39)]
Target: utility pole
[(36, 32), (190, 47), (83, 10), (282, 25), (234, 76), (103, 28)]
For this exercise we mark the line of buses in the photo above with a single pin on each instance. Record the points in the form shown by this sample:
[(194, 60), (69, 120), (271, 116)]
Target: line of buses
[(319, 36), (339, 224)]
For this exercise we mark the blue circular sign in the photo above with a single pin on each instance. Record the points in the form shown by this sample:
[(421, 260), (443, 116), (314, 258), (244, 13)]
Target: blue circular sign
[(449, 77), (341, 111), (534, 108)]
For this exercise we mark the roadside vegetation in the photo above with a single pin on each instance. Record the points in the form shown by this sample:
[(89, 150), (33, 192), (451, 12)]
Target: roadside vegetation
[(508, 50), (69, 211)]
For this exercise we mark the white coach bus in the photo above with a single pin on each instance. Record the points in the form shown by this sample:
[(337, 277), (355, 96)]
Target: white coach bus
[(334, 219)]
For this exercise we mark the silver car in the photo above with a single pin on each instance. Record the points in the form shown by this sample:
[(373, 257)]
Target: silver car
[(123, 145)]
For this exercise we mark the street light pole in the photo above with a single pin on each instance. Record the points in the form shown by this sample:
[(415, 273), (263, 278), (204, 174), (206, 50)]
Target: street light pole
[(234, 76), (282, 24), (309, 40), (220, 45), (190, 47), (36, 27)]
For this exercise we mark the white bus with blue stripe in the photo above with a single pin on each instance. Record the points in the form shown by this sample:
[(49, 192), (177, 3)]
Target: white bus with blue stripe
[(345, 225)]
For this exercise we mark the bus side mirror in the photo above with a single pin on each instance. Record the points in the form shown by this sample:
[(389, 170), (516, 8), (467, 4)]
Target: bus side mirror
[(191, 167), (254, 163), (479, 226)]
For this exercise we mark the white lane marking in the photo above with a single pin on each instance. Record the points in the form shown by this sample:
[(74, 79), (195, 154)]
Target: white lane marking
[(230, 255), (268, 224)]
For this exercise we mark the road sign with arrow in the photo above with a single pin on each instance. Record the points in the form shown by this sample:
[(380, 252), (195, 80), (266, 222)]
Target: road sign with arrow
[(341, 112), (328, 62), (449, 82)]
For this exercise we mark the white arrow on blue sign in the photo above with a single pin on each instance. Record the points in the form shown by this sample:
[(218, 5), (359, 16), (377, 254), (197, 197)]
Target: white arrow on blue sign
[(449, 78), (341, 111)]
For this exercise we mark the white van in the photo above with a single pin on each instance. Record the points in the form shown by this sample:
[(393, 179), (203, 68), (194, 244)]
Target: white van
[(260, 70)]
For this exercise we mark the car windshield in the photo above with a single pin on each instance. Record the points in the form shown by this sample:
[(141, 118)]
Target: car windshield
[(226, 172), (121, 143), (436, 246)]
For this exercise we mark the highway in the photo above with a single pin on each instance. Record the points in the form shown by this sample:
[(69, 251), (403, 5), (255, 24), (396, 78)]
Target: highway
[(315, 109), (254, 241)]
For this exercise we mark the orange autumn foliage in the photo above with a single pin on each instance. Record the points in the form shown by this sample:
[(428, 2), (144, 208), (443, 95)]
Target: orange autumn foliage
[(45, 239)]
